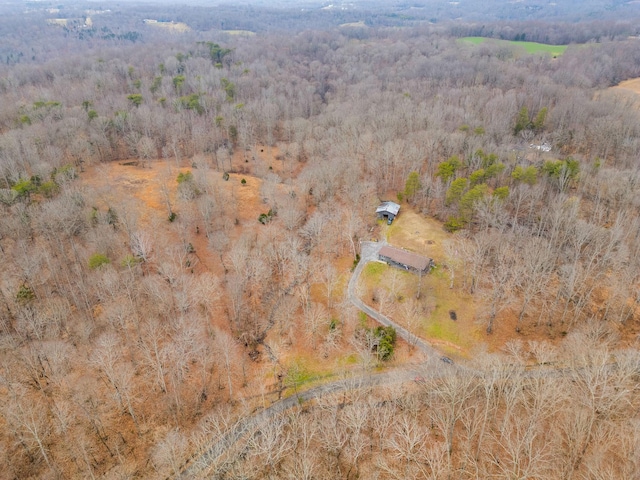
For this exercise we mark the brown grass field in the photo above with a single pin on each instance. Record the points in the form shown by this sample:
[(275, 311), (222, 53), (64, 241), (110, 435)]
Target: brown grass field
[(632, 85), (628, 90)]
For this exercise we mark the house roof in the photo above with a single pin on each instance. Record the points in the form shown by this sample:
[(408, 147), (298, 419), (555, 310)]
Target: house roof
[(412, 260), (390, 207)]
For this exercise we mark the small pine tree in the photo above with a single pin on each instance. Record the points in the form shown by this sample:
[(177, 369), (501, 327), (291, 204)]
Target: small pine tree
[(184, 177), (538, 122), (412, 186), (522, 122), (25, 294), (135, 99), (97, 260)]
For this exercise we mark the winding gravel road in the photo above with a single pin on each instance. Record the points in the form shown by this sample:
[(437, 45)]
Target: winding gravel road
[(200, 463)]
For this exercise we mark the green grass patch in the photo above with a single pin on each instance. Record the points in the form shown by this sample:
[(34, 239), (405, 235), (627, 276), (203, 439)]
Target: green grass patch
[(373, 271), (529, 47), (299, 374), (438, 272), (533, 47), (390, 230), (441, 330), (351, 359), (474, 40), (438, 325), (304, 373)]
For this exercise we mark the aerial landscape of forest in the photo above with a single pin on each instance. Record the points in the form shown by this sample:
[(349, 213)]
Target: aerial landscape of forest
[(320, 240)]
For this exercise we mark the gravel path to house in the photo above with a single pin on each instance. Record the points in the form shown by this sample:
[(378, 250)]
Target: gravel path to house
[(368, 253), (210, 462), (200, 464)]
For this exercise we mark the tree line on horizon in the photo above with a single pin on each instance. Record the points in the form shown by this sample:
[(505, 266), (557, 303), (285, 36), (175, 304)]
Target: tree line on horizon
[(111, 334)]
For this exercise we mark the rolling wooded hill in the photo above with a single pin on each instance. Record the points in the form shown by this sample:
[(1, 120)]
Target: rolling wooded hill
[(181, 211)]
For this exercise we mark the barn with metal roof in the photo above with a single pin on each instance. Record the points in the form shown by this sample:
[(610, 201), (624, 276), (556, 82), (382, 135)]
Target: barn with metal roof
[(388, 211)]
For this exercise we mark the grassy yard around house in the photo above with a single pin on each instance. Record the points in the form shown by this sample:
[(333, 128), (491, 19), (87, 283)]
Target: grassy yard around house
[(455, 336), (426, 236), (433, 320), (372, 273), (529, 47)]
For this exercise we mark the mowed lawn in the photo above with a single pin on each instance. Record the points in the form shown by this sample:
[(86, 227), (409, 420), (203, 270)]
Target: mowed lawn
[(529, 47)]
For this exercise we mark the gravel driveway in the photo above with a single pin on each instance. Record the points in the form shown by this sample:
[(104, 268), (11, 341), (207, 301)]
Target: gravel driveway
[(369, 252)]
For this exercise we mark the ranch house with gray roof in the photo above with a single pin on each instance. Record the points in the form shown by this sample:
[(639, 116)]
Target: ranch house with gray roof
[(405, 260)]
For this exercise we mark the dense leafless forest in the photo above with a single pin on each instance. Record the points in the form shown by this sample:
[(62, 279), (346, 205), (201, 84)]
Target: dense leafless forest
[(183, 193)]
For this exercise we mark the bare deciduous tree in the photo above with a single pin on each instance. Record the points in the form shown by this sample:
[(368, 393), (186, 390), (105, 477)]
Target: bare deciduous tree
[(170, 452)]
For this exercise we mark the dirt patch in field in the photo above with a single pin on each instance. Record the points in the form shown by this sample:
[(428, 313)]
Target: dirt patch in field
[(147, 190), (263, 160), (117, 181), (154, 182), (246, 191), (178, 27), (242, 33)]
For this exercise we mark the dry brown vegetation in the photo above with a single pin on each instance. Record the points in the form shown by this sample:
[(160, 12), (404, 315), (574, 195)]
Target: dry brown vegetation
[(632, 85), (180, 219), (503, 421)]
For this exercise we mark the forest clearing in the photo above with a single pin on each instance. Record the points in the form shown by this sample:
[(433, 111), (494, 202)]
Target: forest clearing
[(529, 47), (633, 85), (178, 27), (153, 184)]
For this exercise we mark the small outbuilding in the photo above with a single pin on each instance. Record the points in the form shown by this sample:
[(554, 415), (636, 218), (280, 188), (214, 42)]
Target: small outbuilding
[(388, 211), (405, 260)]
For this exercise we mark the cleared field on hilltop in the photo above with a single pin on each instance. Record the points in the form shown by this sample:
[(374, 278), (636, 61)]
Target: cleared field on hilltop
[(529, 47)]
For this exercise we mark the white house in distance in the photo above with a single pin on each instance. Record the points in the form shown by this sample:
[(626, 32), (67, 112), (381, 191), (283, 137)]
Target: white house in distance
[(388, 210)]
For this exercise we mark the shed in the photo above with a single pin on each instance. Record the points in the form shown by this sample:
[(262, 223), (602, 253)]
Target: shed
[(405, 260), (388, 210)]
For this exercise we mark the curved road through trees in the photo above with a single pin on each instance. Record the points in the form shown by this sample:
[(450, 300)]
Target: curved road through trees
[(200, 463)]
